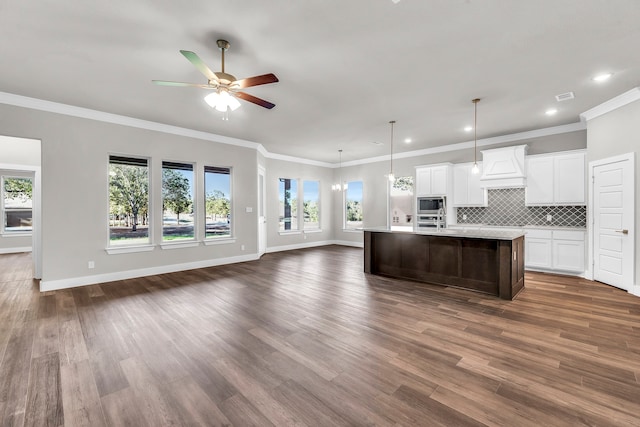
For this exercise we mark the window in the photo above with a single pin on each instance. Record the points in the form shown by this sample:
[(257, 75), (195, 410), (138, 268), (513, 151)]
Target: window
[(353, 205), (128, 201), (17, 204), (177, 201), (311, 205), (288, 207), (401, 201), (217, 194)]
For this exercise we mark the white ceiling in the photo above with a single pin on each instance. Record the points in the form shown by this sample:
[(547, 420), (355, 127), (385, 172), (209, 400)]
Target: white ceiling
[(345, 67)]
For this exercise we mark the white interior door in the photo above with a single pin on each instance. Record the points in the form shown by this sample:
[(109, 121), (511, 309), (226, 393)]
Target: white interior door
[(613, 219), (262, 219)]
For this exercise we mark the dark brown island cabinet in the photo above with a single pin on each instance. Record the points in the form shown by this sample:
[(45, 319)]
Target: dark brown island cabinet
[(491, 262)]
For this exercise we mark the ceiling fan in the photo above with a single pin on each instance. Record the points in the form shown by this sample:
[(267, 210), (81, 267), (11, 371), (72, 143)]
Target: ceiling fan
[(226, 86)]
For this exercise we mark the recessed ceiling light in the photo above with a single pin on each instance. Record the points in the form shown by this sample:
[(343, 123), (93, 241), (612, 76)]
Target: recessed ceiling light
[(551, 111), (602, 77), (468, 128), (407, 140)]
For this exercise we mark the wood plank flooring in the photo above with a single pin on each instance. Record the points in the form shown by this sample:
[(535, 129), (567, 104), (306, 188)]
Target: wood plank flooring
[(305, 338)]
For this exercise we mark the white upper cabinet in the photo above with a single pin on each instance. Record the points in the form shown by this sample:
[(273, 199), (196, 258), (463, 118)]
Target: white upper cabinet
[(432, 180), (570, 178), (539, 180), (466, 186), (556, 179)]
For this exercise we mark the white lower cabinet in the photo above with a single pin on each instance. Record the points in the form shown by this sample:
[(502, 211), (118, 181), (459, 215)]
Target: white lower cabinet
[(568, 250), (537, 249), (555, 250)]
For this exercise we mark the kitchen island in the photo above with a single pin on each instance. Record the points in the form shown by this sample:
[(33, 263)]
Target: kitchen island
[(487, 261)]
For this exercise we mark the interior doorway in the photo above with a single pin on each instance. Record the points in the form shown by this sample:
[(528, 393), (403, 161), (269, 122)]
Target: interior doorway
[(21, 157), (612, 212)]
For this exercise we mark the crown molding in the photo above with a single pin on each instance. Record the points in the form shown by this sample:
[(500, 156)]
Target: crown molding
[(612, 104), (554, 130), (310, 162), (86, 113), (101, 116)]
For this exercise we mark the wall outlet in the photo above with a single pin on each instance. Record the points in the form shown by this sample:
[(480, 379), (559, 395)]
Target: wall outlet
[(91, 264), (249, 209), (242, 247), (304, 237), (549, 218)]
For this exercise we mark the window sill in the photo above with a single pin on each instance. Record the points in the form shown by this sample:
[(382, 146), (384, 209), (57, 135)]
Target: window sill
[(313, 231), (178, 245), (219, 241), (16, 234), (114, 250), (285, 233), (352, 230)]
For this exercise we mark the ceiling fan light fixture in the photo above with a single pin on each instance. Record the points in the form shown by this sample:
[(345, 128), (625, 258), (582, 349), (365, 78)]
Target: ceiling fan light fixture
[(222, 101)]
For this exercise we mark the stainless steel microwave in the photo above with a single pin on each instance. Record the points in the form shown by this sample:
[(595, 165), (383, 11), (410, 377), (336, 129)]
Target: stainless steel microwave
[(431, 205)]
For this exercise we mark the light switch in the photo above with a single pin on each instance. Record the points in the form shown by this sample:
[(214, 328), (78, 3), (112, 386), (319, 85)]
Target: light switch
[(249, 209)]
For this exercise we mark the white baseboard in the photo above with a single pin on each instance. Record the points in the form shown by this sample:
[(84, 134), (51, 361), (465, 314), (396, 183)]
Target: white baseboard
[(635, 290), (558, 272), (313, 245), (15, 250), (299, 246), (348, 243), (52, 285)]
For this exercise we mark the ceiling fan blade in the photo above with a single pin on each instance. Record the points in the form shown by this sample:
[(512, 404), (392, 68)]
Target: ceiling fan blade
[(165, 83), (195, 60), (255, 100), (256, 81)]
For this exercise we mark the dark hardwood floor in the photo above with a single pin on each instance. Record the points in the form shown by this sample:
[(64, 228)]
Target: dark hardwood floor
[(306, 338)]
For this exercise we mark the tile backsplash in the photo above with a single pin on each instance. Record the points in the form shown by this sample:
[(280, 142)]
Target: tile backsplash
[(506, 207)]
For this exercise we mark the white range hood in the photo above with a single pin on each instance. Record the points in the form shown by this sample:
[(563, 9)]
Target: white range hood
[(504, 167)]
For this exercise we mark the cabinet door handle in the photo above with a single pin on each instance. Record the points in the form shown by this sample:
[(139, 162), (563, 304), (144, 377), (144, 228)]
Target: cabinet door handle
[(625, 231)]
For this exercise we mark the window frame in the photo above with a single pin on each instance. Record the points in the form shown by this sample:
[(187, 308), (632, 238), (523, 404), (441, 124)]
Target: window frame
[(212, 240), (298, 229), (318, 201), (189, 241), (133, 247), (3, 209), (345, 225)]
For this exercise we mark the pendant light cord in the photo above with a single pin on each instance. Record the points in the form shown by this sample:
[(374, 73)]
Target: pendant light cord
[(392, 122)]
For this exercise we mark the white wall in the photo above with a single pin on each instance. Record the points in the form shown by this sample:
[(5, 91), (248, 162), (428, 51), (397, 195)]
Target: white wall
[(616, 133), (75, 153), (18, 157)]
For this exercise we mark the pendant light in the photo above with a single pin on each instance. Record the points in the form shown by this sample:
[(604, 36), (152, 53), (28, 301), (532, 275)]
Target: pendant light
[(475, 169), (392, 178), (338, 186)]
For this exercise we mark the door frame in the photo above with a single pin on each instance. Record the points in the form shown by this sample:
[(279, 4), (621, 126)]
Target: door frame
[(36, 197), (262, 208), (591, 214)]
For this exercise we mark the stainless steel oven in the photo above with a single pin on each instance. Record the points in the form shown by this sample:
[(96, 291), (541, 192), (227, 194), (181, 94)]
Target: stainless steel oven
[(432, 220), (432, 212)]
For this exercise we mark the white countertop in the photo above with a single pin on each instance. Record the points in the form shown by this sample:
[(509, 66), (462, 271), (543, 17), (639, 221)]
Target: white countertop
[(493, 234)]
